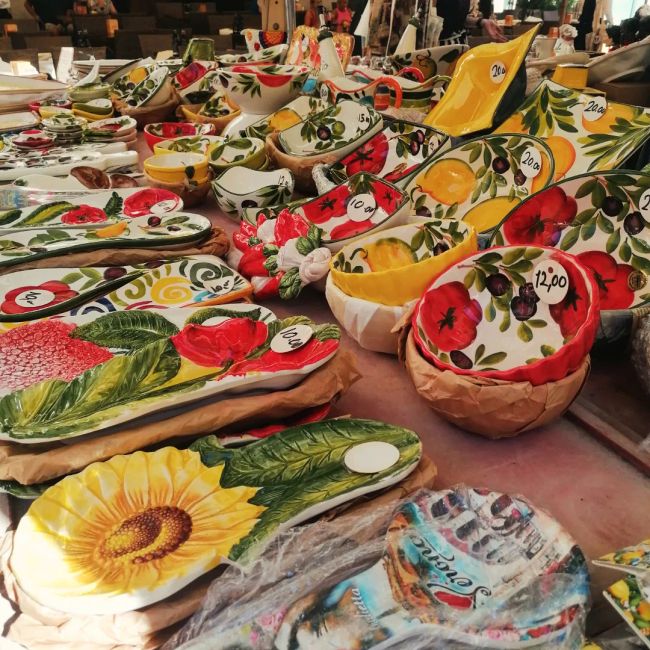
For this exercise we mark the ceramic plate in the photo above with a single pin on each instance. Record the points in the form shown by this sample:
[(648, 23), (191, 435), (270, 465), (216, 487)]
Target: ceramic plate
[(287, 116), (273, 54), (430, 62), (18, 121), (599, 218), (485, 315), (481, 180), (110, 128), (563, 117)]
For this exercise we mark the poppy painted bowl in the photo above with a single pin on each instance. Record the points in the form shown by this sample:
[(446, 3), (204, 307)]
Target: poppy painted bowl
[(159, 131), (489, 315), (395, 266), (177, 167)]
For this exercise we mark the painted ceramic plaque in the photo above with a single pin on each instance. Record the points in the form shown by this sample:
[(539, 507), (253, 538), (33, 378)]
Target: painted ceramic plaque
[(159, 520), (393, 154), (118, 366), (628, 599), (511, 313), (481, 180), (603, 219), (458, 561), (287, 116), (583, 133)]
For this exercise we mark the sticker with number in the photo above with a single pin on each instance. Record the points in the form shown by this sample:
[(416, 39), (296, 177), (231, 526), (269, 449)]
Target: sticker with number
[(291, 338), (550, 281), (34, 298), (644, 204), (324, 92), (221, 286), (361, 207), (595, 108), (498, 72), (531, 162)]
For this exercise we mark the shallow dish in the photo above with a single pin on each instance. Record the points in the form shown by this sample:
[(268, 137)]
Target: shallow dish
[(109, 128), (218, 105), (339, 89), (430, 62), (18, 121), (155, 133), (483, 316), (232, 152), (270, 55), (127, 82), (195, 144), (293, 113), (481, 180), (88, 92), (31, 139), (177, 167), (64, 123), (152, 91)]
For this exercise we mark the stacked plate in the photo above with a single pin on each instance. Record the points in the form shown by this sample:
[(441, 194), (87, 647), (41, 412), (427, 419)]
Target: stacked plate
[(32, 139), (114, 129), (65, 128)]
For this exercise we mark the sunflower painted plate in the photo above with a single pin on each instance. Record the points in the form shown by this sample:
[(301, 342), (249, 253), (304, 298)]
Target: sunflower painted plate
[(131, 531)]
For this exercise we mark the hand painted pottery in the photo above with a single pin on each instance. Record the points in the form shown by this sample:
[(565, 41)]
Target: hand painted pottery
[(88, 92), (178, 166), (631, 559), (19, 92), (194, 144), (394, 154), (430, 62), (361, 204), (211, 504), (415, 94), (97, 108), (598, 218), (112, 76), (54, 103), (268, 56), (563, 117), (623, 64), (304, 49), (218, 106), (496, 75), (395, 266), (251, 215), (632, 604), (363, 92), (144, 361), (154, 90), (160, 131), (238, 188), (41, 188), (337, 130), (109, 129), (18, 121), (293, 113), (455, 568), (189, 75), (127, 82), (257, 39), (485, 315), (237, 152), (481, 180), (32, 139), (64, 123)]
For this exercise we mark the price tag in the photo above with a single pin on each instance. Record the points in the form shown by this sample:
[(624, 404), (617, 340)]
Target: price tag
[(324, 92), (594, 108), (163, 207), (498, 72), (531, 162), (644, 204), (371, 457), (550, 281), (34, 298), (283, 180), (220, 286), (362, 207), (291, 338)]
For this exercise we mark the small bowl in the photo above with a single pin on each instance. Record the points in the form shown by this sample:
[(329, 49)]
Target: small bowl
[(158, 132), (237, 152), (191, 194), (177, 167), (285, 117), (193, 143), (238, 188), (87, 93), (274, 54)]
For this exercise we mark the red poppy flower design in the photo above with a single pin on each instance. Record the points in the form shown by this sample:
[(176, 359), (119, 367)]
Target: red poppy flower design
[(26, 299), (450, 316), (84, 214), (216, 345), (252, 261), (611, 278), (571, 313), (369, 157), (140, 203)]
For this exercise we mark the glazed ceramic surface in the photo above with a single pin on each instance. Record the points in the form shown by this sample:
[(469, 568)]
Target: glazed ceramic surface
[(202, 89), (218, 106), (195, 144), (481, 180), (559, 116), (633, 605), (258, 39), (37, 189), (484, 316), (285, 117), (160, 131), (230, 152), (600, 219), (31, 139), (337, 130), (631, 559), (487, 80), (189, 75), (624, 63), (430, 62), (214, 504), (270, 55), (127, 82), (176, 167), (303, 47), (361, 91), (149, 91), (109, 129), (18, 121)]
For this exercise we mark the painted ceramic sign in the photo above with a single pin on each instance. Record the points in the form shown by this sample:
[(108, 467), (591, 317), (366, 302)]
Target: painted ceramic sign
[(126, 364), (628, 599), (563, 117), (600, 218), (430, 62), (304, 50), (454, 561), (285, 117), (511, 313), (481, 180)]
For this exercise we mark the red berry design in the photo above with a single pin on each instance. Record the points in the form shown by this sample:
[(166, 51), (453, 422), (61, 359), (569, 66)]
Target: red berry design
[(611, 278)]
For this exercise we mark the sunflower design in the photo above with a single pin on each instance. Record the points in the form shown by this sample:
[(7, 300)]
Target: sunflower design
[(128, 532)]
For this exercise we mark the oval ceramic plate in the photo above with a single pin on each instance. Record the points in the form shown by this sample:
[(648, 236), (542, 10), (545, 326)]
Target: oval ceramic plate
[(194, 144), (481, 180), (285, 117), (18, 121), (485, 317), (112, 127)]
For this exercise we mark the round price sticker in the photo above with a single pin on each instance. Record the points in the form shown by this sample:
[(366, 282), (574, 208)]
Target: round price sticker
[(371, 457), (220, 286), (498, 72), (550, 281), (531, 162), (595, 108), (34, 298), (361, 207), (644, 204), (324, 92), (291, 338)]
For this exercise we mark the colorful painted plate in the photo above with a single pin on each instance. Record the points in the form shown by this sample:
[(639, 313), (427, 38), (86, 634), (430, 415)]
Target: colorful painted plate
[(161, 519), (285, 117), (274, 54), (601, 219), (128, 81), (627, 598), (110, 128), (481, 180), (491, 316), (430, 62), (631, 559)]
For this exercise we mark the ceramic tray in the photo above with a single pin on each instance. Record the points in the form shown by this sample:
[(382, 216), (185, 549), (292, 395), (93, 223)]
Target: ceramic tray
[(430, 62), (287, 116), (213, 505), (481, 180), (485, 317), (597, 217), (145, 361), (558, 115), (18, 121), (628, 599), (337, 130)]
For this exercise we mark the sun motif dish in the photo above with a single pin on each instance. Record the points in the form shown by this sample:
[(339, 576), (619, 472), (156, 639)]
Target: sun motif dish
[(484, 317)]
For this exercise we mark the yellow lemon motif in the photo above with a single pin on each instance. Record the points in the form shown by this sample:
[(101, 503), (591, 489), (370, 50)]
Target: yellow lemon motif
[(114, 230), (539, 182), (283, 119), (448, 181), (390, 253), (564, 155), (488, 214), (173, 290), (605, 123), (620, 590), (137, 75)]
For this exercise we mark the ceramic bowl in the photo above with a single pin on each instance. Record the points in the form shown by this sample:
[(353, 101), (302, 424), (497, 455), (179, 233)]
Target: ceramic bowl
[(599, 218), (481, 180), (484, 317), (177, 167), (189, 75), (414, 94), (237, 152), (155, 133), (267, 56), (32, 139), (218, 106), (202, 90), (351, 210), (89, 92), (293, 113), (154, 90), (394, 266), (238, 188), (99, 108), (343, 88), (263, 89), (258, 39), (193, 114), (194, 143), (626, 63), (430, 62)]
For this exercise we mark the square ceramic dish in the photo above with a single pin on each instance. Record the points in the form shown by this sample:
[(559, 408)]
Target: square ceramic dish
[(293, 113)]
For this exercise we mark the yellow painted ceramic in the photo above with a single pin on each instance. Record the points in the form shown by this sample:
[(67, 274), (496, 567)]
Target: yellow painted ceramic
[(177, 167), (394, 266), (283, 119), (479, 85), (572, 76), (46, 112), (92, 117)]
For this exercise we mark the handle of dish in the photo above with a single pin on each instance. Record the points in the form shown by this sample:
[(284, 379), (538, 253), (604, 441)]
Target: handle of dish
[(394, 84)]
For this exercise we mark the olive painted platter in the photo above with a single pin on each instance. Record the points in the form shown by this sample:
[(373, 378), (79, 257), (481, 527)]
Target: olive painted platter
[(192, 281), (293, 113), (602, 218), (481, 180), (69, 376), (128, 532)]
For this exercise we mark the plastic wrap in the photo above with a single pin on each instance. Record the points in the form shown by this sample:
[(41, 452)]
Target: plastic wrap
[(512, 579)]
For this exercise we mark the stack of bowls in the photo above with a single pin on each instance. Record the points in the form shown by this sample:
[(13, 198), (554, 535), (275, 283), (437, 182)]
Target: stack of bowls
[(184, 173), (64, 128)]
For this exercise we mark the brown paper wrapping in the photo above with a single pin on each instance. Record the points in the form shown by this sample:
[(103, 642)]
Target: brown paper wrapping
[(149, 114), (190, 113), (492, 408), (41, 628), (216, 244), (192, 195)]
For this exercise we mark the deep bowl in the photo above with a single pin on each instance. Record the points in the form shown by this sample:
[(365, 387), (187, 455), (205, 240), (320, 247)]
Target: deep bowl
[(159, 131)]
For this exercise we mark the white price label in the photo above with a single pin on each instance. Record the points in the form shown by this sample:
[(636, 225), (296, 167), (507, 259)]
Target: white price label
[(531, 162), (644, 204), (34, 298), (291, 338), (550, 281), (595, 108), (163, 207), (283, 180), (361, 207), (498, 72), (324, 92), (220, 286), (371, 457)]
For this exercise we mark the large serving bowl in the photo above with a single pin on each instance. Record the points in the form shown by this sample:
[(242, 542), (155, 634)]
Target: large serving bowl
[(177, 167)]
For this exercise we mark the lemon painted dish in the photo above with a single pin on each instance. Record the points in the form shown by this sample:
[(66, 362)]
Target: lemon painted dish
[(177, 167)]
